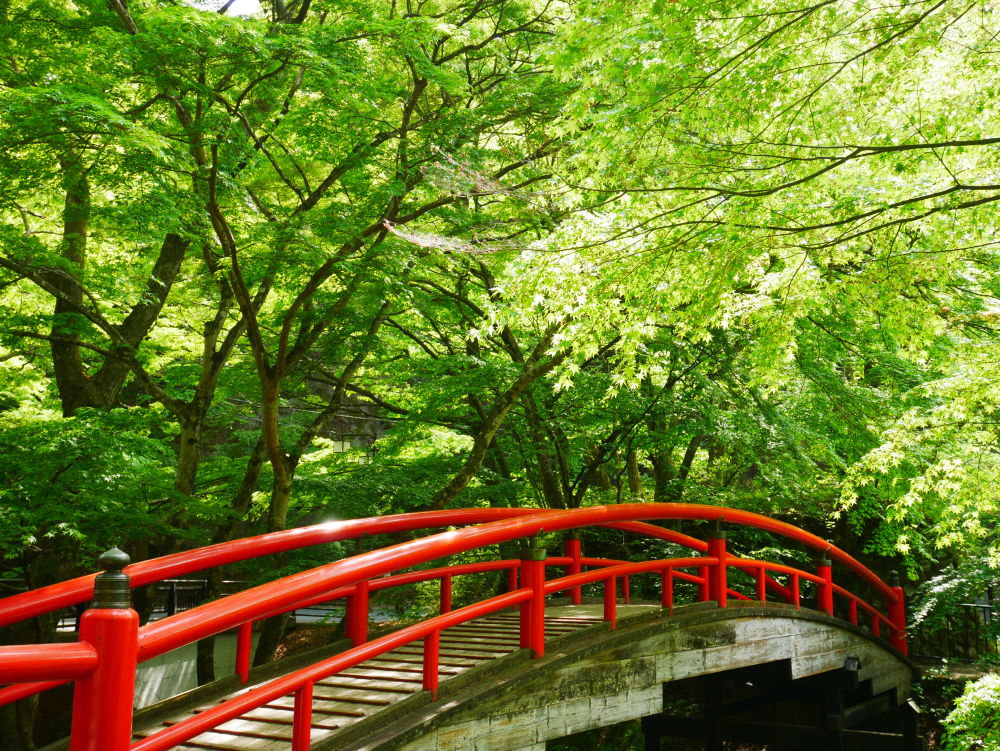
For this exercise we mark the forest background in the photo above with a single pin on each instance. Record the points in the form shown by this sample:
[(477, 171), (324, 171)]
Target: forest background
[(346, 258)]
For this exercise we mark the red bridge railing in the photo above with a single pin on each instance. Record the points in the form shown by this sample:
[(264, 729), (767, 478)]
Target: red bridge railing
[(111, 643)]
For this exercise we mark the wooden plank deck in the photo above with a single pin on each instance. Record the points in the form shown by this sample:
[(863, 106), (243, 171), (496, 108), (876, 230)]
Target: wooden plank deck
[(370, 687)]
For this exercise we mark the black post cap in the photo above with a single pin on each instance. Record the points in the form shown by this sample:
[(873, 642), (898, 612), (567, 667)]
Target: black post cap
[(893, 578), (533, 552), (113, 588), (715, 531), (574, 535)]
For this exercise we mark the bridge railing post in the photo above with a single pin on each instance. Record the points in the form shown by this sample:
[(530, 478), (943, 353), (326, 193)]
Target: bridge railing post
[(102, 704), (825, 594), (761, 584), (533, 610), (667, 594), (897, 614), (610, 600), (703, 584), (717, 573), (625, 594), (244, 644), (446, 594), (794, 586), (357, 615), (302, 718), (852, 611), (571, 549), (432, 652)]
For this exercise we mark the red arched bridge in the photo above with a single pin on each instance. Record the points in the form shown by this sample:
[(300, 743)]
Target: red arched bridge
[(509, 672)]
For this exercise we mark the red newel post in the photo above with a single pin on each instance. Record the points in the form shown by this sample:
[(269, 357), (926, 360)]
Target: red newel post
[(446, 594), (825, 572), (244, 642), (102, 704), (610, 600), (302, 718), (571, 549), (432, 651), (897, 614), (533, 610), (717, 573), (357, 615)]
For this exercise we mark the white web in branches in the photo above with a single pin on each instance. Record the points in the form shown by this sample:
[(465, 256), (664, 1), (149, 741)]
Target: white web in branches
[(461, 181)]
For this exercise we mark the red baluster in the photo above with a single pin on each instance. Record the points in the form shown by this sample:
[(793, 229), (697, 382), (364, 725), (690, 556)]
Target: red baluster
[(446, 593), (102, 706), (825, 572), (761, 584), (875, 625), (302, 718), (897, 614), (625, 589), (667, 596), (244, 643), (571, 548), (795, 591), (610, 600), (432, 649), (717, 573), (533, 610), (703, 584), (357, 615), (852, 611)]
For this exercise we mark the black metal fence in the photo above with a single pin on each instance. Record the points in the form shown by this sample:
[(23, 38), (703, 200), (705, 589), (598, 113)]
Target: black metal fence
[(971, 634), (172, 596)]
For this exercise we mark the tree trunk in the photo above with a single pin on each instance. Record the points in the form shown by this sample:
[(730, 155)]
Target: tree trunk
[(240, 506), (102, 390), (71, 377), (530, 372), (634, 478), (187, 456), (543, 459)]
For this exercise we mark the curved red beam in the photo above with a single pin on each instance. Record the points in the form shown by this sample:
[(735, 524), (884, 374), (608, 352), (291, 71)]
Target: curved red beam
[(625, 569), (47, 662), (66, 594), (23, 690), (162, 636)]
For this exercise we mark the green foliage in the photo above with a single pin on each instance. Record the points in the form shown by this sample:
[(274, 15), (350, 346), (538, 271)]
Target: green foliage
[(975, 721), (75, 487)]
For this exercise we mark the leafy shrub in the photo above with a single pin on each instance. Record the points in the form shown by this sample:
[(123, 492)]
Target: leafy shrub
[(975, 721)]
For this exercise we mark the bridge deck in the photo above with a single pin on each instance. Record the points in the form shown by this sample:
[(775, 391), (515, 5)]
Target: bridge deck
[(372, 686)]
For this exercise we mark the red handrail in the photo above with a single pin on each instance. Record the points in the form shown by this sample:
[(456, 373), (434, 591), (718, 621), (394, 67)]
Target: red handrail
[(37, 602), (169, 633), (47, 662), (354, 577)]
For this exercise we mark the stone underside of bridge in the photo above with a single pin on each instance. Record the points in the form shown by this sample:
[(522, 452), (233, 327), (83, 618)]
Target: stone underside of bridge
[(599, 677)]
